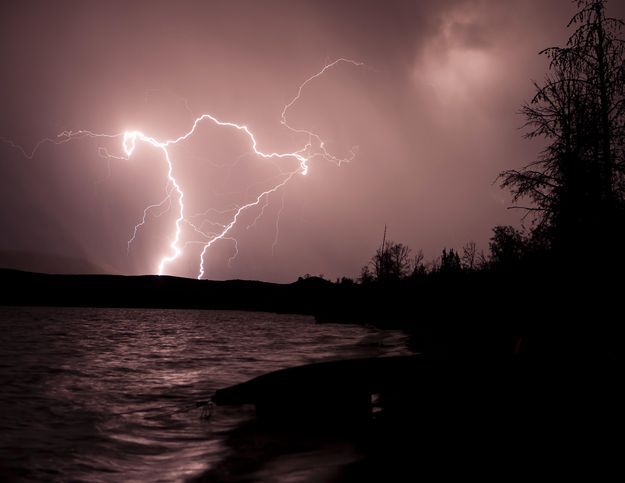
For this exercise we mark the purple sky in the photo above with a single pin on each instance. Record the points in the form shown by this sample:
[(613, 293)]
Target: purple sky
[(433, 113)]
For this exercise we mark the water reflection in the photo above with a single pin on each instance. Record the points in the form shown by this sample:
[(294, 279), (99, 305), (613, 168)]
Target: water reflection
[(110, 394)]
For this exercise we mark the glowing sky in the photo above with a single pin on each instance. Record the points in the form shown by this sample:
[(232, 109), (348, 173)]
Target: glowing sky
[(433, 113)]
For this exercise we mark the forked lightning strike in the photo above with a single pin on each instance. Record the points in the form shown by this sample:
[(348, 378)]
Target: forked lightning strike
[(314, 147)]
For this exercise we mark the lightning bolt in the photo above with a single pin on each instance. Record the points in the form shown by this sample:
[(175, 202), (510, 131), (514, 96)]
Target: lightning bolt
[(313, 147), (277, 232)]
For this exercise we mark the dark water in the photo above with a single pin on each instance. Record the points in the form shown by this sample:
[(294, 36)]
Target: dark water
[(110, 394)]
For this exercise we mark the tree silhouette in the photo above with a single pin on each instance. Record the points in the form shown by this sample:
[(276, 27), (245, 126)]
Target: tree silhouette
[(418, 266), (450, 262), (577, 185), (470, 260), (391, 262), (507, 246)]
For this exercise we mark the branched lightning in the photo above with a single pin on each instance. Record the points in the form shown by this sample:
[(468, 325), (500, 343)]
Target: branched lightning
[(277, 232), (260, 213), (236, 216), (166, 201), (313, 147)]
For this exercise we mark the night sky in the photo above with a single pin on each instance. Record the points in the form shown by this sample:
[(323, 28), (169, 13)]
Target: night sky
[(434, 113)]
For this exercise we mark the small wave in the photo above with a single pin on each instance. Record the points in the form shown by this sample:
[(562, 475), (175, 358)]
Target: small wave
[(110, 394)]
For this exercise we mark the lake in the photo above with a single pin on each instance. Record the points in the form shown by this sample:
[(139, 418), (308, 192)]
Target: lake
[(112, 394)]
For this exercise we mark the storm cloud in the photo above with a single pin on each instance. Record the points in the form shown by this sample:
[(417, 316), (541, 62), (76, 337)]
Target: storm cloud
[(434, 113)]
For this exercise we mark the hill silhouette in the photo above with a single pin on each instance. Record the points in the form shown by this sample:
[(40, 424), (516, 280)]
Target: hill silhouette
[(43, 262)]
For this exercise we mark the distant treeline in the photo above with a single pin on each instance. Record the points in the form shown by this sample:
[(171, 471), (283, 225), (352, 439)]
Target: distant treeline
[(509, 251)]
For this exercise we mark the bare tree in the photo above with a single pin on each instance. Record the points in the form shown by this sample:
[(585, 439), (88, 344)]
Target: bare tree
[(469, 256), (418, 264), (391, 262)]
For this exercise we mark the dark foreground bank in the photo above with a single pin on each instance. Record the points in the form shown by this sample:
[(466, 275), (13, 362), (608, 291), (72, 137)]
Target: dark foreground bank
[(406, 418)]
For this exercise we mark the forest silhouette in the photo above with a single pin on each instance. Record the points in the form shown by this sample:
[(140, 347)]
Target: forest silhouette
[(559, 274)]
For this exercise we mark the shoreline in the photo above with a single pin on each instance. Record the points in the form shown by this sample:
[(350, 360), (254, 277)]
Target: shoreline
[(447, 419)]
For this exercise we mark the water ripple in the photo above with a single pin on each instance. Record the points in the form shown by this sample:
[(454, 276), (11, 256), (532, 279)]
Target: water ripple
[(109, 394)]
